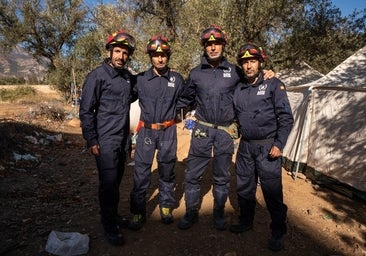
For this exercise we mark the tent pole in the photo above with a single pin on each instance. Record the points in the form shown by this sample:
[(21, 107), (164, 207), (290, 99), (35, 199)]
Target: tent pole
[(302, 138)]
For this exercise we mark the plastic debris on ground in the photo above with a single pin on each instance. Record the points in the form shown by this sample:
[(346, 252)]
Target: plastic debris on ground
[(67, 243)]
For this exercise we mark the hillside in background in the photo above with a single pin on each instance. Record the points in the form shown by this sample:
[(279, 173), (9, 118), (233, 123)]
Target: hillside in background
[(20, 64)]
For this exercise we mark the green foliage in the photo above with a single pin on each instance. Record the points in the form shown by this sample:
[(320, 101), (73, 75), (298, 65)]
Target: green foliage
[(182, 22), (321, 37), (72, 36), (43, 28), (12, 80), (17, 93), (46, 29), (61, 78)]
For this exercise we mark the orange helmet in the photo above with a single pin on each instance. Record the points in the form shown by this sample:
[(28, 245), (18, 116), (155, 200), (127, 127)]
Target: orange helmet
[(250, 50), (121, 37), (214, 33), (158, 43)]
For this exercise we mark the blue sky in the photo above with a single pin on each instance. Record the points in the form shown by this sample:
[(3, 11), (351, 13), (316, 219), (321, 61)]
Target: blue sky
[(346, 6)]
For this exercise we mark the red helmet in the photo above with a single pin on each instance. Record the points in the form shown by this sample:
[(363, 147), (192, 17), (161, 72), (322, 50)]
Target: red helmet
[(158, 43), (121, 37), (250, 50), (213, 33)]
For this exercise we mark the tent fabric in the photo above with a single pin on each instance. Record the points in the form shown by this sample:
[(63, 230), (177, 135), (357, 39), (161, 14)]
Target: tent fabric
[(299, 74), (135, 112), (329, 133)]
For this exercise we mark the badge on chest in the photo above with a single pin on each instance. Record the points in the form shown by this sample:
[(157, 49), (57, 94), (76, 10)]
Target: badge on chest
[(262, 89), (227, 72)]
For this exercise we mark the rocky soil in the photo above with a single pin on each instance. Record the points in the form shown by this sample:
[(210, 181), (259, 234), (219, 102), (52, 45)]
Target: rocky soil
[(49, 182)]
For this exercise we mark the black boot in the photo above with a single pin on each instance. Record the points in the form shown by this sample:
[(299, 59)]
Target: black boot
[(137, 221), (115, 239), (189, 219), (279, 229), (246, 217), (219, 219), (275, 243), (113, 235), (122, 222), (241, 227)]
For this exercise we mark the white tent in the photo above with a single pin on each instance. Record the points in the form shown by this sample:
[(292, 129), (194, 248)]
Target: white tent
[(299, 74), (135, 112), (329, 133)]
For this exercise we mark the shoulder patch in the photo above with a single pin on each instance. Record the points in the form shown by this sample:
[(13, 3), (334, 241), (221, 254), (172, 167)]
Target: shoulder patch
[(282, 87)]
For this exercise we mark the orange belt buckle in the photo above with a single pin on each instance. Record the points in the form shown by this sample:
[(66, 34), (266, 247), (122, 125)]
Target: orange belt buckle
[(157, 126)]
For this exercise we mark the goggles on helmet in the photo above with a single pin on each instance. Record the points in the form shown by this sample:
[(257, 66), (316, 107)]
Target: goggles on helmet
[(213, 33), (250, 51), (158, 44), (121, 38)]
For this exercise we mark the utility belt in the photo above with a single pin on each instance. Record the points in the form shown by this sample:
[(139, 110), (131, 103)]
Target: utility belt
[(211, 125), (261, 142), (232, 129), (155, 126)]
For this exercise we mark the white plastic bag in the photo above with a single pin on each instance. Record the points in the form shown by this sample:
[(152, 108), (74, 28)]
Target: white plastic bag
[(67, 243)]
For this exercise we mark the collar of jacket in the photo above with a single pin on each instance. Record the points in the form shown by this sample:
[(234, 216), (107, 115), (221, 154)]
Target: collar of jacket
[(152, 74), (259, 81), (224, 64), (114, 72)]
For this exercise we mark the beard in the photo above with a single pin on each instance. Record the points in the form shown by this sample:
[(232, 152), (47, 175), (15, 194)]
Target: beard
[(214, 58), (251, 76), (118, 64)]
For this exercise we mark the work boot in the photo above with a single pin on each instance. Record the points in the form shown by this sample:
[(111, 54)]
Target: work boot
[(241, 227), (122, 222), (275, 243), (137, 222), (219, 219), (113, 236), (166, 215), (188, 220), (115, 239)]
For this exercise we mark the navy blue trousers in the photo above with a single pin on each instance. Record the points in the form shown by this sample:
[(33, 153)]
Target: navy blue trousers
[(217, 145), (111, 166), (253, 163), (148, 142)]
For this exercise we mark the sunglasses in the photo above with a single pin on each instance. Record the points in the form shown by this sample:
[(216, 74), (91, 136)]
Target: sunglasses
[(250, 49), (212, 34), (125, 39), (158, 44), (159, 47)]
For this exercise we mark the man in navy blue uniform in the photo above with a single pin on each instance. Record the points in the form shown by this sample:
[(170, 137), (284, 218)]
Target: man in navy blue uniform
[(158, 90), (104, 115), (265, 120), (210, 88)]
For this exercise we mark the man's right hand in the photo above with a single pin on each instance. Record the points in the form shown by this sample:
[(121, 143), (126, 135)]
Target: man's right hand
[(268, 74), (94, 150)]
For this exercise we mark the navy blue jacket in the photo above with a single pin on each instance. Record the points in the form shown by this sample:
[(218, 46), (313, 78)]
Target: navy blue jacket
[(105, 105), (263, 111), (158, 95), (211, 90)]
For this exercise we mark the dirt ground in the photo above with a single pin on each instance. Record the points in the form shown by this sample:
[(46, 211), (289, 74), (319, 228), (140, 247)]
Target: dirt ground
[(57, 190)]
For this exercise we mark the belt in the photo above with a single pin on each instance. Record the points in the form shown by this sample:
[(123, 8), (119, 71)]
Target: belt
[(221, 127), (155, 126), (263, 142)]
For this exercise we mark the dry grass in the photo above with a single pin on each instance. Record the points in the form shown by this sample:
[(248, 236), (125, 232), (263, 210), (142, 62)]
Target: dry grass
[(26, 94)]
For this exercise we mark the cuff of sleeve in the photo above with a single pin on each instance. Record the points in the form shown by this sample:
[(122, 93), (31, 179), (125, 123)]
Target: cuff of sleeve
[(278, 144), (92, 142)]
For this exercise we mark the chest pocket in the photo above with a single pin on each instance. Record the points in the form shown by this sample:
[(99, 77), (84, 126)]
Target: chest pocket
[(115, 97)]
